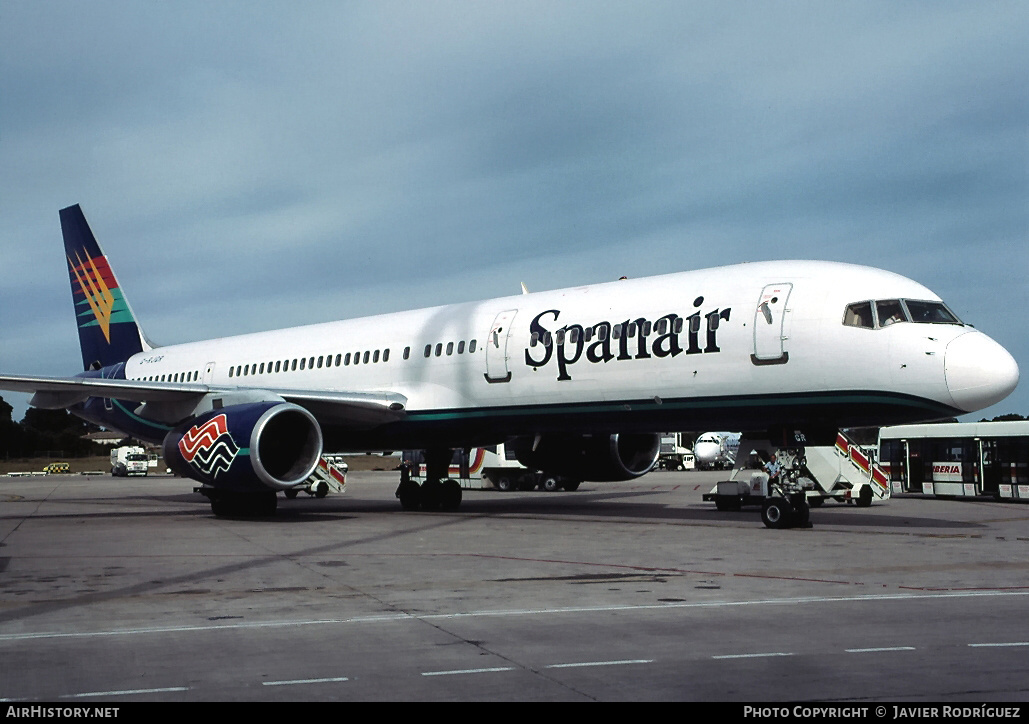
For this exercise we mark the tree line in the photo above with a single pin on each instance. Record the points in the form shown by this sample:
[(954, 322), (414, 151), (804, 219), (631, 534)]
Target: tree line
[(45, 433)]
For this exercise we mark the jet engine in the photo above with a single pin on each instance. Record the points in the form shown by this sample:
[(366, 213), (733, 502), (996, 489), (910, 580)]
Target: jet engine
[(590, 457), (247, 447)]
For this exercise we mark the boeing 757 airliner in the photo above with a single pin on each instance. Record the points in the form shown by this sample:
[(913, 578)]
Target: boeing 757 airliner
[(580, 381)]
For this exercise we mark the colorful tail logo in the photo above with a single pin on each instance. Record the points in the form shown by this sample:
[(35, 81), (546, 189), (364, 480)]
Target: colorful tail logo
[(96, 291), (209, 448)]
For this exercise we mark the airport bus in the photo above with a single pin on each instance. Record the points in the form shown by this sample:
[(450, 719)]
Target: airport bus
[(958, 459)]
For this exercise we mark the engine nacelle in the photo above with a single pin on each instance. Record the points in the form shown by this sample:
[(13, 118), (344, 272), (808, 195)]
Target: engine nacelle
[(590, 457), (248, 447)]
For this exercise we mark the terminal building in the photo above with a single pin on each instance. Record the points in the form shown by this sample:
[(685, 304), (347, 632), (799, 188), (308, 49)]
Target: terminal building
[(958, 459)]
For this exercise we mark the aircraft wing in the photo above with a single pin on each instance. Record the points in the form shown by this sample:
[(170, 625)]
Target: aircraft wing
[(357, 409)]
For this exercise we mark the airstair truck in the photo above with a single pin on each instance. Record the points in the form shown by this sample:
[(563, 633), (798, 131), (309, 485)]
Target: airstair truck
[(842, 472)]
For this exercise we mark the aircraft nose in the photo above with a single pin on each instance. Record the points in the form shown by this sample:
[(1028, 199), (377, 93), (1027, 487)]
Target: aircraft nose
[(979, 371)]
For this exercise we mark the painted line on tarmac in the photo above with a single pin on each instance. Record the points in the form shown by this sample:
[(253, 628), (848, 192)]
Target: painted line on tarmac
[(752, 656), (408, 617), (124, 692), (1012, 643), (458, 672), (295, 682), (880, 649), (584, 664)]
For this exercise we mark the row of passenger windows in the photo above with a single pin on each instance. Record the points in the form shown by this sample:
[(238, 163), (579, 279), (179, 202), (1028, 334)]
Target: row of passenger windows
[(450, 348), (618, 330), (310, 363), (885, 312), (174, 377)]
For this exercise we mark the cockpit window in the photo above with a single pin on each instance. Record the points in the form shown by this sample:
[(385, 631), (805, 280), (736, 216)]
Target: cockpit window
[(890, 312), (930, 312), (859, 315)]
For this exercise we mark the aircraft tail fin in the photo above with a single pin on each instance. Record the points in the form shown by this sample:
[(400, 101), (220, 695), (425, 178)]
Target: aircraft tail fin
[(108, 331)]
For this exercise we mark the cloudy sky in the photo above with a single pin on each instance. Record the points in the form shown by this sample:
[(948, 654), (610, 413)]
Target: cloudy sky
[(250, 165)]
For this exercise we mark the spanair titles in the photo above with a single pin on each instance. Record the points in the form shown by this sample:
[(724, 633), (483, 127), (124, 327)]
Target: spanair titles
[(631, 339)]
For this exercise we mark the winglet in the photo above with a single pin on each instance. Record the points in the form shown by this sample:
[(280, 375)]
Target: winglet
[(108, 332)]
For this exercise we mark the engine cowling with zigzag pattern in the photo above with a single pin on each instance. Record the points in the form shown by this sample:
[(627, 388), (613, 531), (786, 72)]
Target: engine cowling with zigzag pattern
[(250, 447)]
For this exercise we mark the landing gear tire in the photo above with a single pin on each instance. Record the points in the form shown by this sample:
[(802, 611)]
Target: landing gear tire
[(410, 495), (450, 495), (777, 513), (291, 493), (571, 485)]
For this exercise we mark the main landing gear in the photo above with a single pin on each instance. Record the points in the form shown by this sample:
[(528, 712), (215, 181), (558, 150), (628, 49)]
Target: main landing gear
[(437, 492)]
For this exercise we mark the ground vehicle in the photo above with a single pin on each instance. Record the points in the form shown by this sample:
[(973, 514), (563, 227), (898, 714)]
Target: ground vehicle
[(803, 476), (330, 474), (129, 460), (56, 468), (676, 452), (495, 466), (958, 459)]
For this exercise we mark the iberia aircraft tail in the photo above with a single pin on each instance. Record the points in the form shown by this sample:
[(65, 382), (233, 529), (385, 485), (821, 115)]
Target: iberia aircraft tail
[(108, 332)]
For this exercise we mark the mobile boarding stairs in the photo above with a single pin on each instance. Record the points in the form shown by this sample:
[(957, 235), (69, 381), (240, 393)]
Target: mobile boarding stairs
[(808, 476)]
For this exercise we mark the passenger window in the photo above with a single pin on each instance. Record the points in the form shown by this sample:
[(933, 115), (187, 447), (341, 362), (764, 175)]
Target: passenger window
[(346, 360), (339, 358), (450, 348), (357, 358), (460, 347), (439, 349), (365, 360), (471, 346), (890, 312), (385, 355), (859, 315), (407, 353), (303, 362), (534, 339)]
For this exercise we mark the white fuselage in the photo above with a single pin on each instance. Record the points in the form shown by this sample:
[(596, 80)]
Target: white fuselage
[(745, 343)]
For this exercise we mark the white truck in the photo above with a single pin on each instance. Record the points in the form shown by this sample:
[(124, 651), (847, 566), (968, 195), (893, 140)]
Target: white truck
[(129, 460)]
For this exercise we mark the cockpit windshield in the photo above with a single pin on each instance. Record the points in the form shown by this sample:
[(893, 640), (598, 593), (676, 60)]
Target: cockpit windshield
[(930, 312), (891, 311)]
